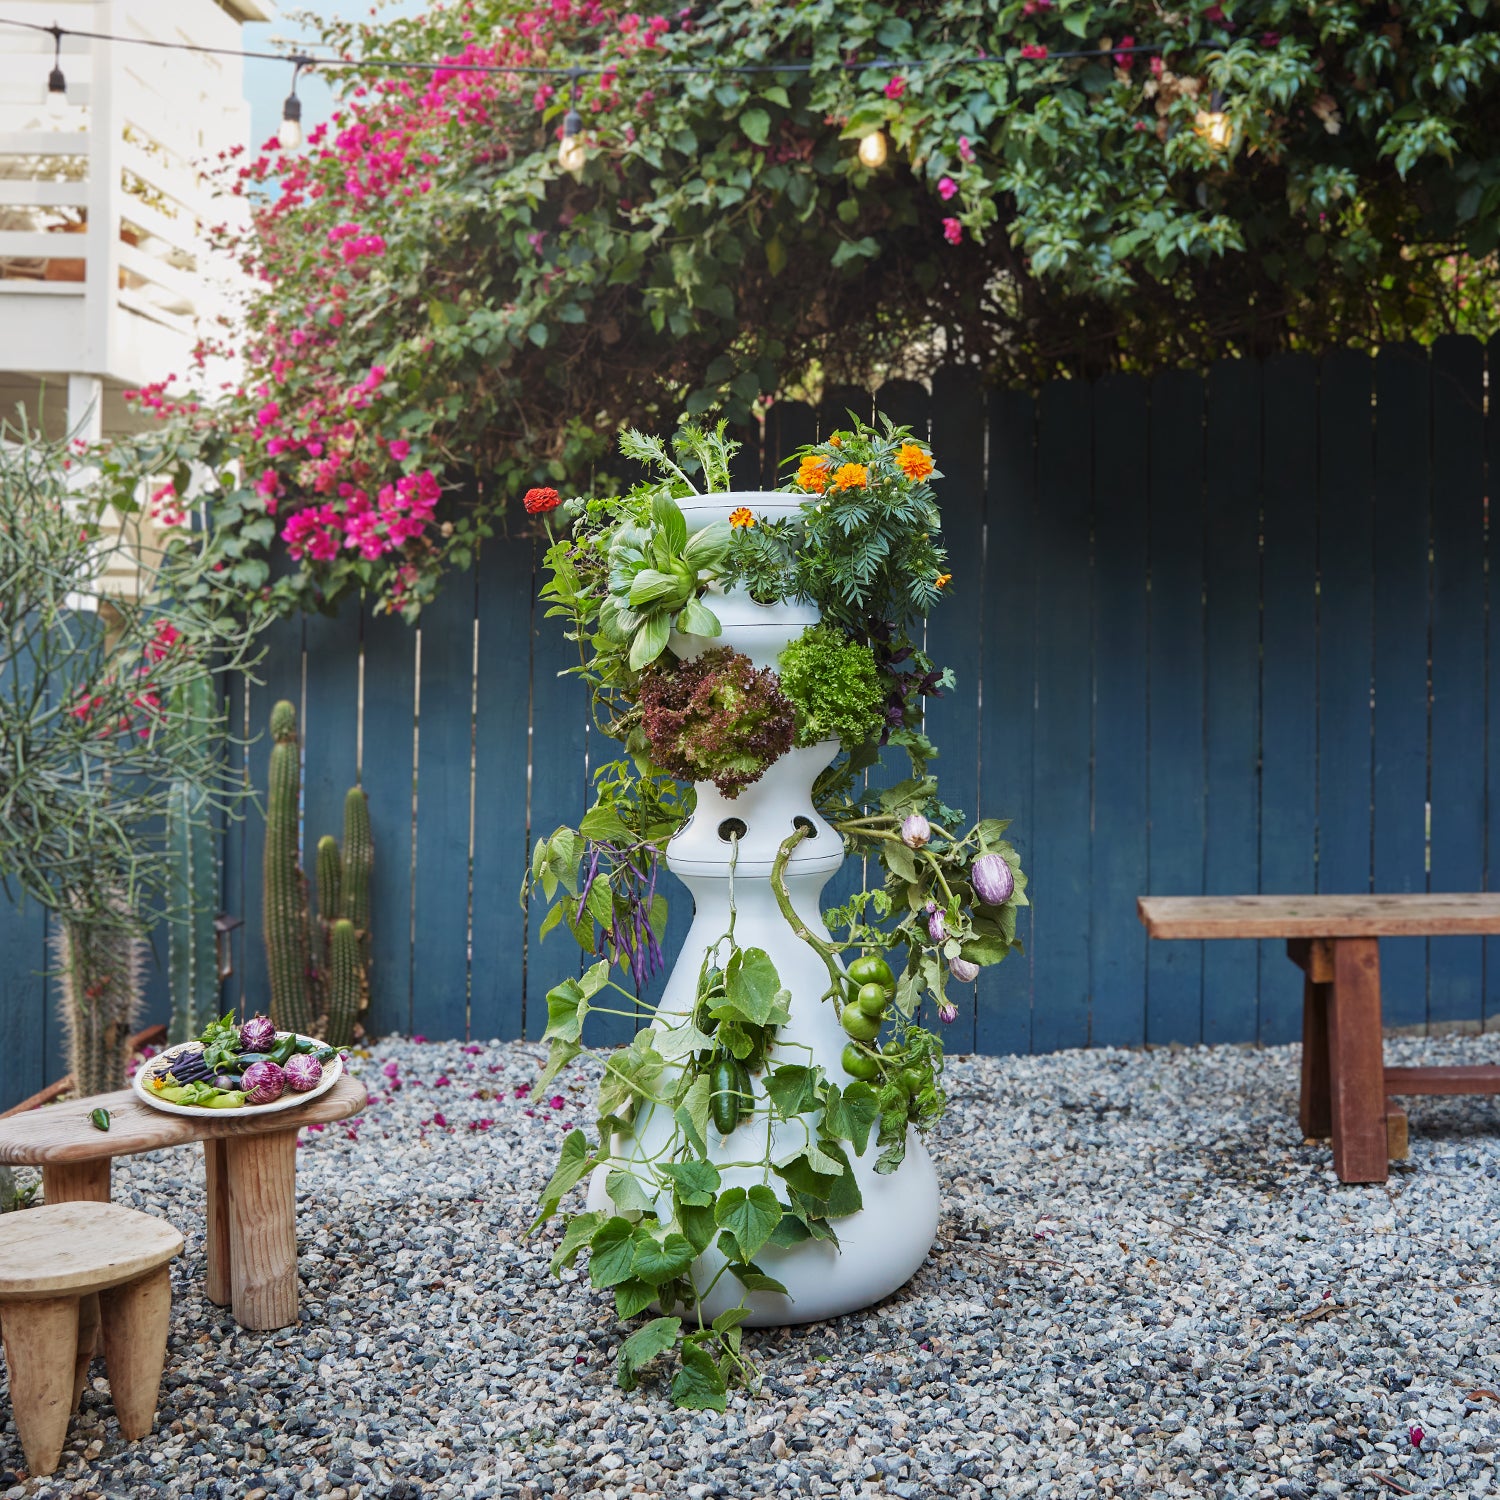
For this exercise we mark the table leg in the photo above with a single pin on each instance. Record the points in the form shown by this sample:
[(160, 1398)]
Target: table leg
[(1315, 1114), (217, 1283), (1356, 1067), (262, 1175)]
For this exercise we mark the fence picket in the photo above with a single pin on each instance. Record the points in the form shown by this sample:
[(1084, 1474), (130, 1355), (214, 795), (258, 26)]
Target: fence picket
[(1401, 582), (1117, 941), (1455, 989), (1232, 685), (1289, 669), (1174, 997)]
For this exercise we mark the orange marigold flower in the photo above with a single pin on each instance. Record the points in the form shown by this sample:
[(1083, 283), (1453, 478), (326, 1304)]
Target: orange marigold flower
[(851, 477), (812, 474), (836, 440), (943, 578), (742, 515), (913, 462)]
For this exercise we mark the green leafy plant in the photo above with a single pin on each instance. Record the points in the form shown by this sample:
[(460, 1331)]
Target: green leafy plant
[(835, 687)]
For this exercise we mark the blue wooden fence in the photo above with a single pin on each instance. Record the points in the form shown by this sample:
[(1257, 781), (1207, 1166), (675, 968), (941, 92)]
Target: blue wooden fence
[(1225, 632)]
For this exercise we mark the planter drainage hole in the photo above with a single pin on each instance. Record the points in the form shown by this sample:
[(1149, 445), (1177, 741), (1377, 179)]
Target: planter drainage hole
[(732, 828), (808, 824)]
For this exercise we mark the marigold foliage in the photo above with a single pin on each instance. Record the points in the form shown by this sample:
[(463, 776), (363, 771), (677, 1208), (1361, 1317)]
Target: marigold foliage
[(716, 718)]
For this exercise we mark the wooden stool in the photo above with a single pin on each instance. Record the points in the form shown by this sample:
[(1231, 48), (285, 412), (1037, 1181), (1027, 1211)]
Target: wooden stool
[(66, 1269), (250, 1160)]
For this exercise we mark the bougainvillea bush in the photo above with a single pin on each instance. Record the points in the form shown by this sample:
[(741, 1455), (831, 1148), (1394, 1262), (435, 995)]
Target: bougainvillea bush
[(446, 317)]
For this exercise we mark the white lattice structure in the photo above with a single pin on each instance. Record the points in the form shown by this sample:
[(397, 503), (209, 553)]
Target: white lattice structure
[(106, 275)]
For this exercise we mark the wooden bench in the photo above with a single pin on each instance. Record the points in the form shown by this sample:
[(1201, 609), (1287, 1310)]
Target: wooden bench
[(69, 1272), (1334, 940), (250, 1161)]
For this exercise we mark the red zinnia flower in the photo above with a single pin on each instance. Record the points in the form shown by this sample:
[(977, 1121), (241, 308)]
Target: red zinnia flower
[(539, 501)]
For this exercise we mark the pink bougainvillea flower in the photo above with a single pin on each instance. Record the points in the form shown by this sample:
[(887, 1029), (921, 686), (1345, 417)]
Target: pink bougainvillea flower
[(965, 150), (1124, 59), (1033, 52), (953, 231), (947, 187), (441, 1081), (556, 1102), (399, 448), (440, 1121), (1416, 1435), (896, 87)]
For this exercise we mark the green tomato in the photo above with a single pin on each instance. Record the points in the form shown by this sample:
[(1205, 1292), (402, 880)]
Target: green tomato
[(873, 999), (892, 1048), (859, 1025), (913, 1081), (859, 1064), (870, 968)]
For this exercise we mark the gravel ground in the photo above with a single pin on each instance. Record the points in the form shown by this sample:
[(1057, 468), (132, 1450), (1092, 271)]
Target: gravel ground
[(1146, 1285)]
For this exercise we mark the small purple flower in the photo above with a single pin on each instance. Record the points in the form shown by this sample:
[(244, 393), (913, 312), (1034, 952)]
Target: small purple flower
[(937, 923), (992, 879), (915, 831), (963, 971)]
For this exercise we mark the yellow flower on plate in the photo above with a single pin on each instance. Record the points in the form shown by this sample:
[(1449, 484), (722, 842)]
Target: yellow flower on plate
[(851, 477), (913, 462), (742, 515), (812, 474)]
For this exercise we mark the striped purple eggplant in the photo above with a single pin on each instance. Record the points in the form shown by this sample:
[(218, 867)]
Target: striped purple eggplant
[(992, 878)]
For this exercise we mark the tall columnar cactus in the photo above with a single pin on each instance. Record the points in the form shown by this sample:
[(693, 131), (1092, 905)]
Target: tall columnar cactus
[(359, 862), (345, 986), (193, 894), (294, 980), (98, 968), (319, 964)]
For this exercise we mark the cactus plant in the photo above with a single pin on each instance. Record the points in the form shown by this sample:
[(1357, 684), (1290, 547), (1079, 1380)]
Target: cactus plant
[(345, 986), (319, 965), (98, 968), (294, 980), (193, 891)]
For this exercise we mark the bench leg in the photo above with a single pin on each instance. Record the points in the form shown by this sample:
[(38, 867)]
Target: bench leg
[(1315, 1114), (39, 1351), (88, 1343), (135, 1318), (1356, 1067), (262, 1173), (217, 1284)]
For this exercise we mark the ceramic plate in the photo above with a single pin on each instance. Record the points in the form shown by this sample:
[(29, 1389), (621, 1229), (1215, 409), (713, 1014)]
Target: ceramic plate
[(162, 1063)]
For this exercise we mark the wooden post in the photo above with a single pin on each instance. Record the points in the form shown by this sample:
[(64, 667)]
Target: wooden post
[(135, 1318), (217, 1282), (39, 1347), (1356, 1067), (262, 1174)]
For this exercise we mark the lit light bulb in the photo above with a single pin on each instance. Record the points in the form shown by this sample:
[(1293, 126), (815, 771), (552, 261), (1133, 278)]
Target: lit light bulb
[(57, 94), (1213, 125), (872, 149), (571, 151), (290, 134)]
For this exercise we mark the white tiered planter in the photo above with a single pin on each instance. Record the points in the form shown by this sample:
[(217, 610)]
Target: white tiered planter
[(882, 1245)]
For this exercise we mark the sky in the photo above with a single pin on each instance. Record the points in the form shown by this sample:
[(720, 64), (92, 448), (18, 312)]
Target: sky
[(268, 83)]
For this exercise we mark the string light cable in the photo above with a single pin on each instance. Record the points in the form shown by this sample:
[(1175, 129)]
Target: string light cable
[(1214, 125)]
